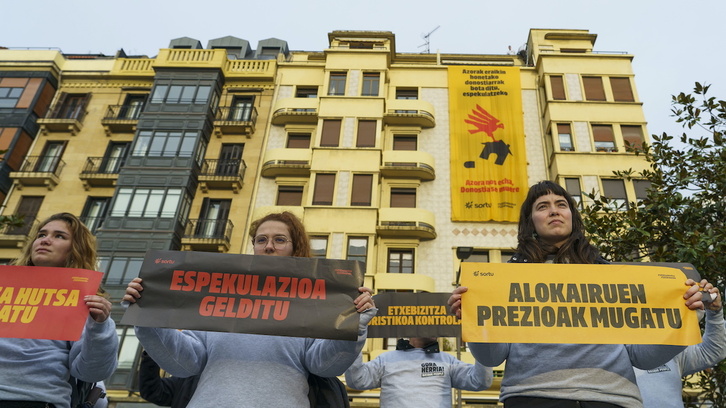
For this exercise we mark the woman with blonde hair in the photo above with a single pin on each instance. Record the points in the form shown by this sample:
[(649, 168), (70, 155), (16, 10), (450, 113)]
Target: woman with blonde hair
[(35, 373)]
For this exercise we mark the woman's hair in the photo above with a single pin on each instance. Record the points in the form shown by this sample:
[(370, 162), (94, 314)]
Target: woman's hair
[(83, 243), (576, 249), (300, 240)]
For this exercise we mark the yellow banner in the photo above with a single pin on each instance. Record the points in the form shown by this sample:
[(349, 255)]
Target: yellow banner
[(488, 155), (588, 304)]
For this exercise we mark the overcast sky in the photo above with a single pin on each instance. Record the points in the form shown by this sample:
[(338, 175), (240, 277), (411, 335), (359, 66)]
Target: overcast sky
[(675, 43)]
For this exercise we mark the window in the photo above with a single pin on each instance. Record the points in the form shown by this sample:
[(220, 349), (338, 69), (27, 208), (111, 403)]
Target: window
[(289, 195), (405, 142), (604, 138), (119, 270), (558, 87), (9, 97), (50, 158), (564, 135), (371, 82), (641, 189), (298, 141), (27, 209), (70, 106), (132, 107), (362, 187), (324, 187), (632, 135), (213, 218), (614, 189), (572, 185), (594, 90), (165, 144), (115, 157), (478, 256), (366, 133), (403, 197), (126, 373), (319, 247), (306, 92), (94, 212), (406, 93), (331, 133), (173, 94), (400, 261), (241, 110), (230, 159), (337, 83), (622, 92), (146, 202), (357, 249)]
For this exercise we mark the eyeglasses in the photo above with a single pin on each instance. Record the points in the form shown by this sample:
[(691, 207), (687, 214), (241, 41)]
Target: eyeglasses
[(277, 242)]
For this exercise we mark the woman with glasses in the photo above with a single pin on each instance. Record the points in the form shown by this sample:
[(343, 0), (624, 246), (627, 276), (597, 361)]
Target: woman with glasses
[(248, 370)]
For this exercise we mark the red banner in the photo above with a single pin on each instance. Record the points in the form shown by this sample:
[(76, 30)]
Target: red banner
[(45, 303)]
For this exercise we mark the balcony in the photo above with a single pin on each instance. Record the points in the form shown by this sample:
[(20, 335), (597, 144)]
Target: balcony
[(223, 174), (235, 121), (100, 171), (209, 235), (408, 164), (404, 281), (121, 118), (15, 237), (295, 110), (287, 162), (409, 112), (406, 223), (63, 118), (39, 171)]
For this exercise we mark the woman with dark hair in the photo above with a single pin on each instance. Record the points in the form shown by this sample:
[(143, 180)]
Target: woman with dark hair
[(566, 375), (249, 370), (35, 373)]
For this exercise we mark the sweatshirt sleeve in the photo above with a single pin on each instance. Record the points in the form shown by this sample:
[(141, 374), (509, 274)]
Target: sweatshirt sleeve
[(94, 357), (364, 376), (710, 351), (489, 354), (647, 356), (181, 353), (470, 377), (330, 358)]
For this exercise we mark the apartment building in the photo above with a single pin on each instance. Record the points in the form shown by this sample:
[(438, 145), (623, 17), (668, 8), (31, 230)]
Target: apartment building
[(394, 159)]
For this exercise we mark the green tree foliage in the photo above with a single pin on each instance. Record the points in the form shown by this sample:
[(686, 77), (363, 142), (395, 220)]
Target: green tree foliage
[(682, 219)]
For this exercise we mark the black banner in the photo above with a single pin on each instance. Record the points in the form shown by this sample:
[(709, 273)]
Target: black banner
[(413, 315), (283, 296)]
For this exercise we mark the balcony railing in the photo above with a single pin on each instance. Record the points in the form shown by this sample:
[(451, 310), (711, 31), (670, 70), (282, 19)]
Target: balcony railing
[(286, 162), (205, 234), (406, 222), (222, 174), (295, 110), (235, 120), (39, 171), (63, 118), (122, 118), (408, 164), (15, 237), (101, 171), (409, 112)]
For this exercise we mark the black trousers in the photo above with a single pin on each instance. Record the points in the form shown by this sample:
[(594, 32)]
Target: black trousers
[(534, 402)]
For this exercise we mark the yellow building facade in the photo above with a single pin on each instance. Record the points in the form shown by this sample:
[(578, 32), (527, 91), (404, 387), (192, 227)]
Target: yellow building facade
[(182, 150)]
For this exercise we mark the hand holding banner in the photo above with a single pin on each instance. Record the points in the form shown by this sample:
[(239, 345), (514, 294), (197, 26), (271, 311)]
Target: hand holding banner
[(45, 303), (284, 296), (574, 303)]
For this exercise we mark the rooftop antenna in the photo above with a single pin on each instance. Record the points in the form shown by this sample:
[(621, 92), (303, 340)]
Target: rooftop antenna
[(426, 38)]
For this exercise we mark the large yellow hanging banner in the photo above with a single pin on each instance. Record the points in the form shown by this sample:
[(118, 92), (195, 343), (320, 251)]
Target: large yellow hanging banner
[(567, 303), (488, 159)]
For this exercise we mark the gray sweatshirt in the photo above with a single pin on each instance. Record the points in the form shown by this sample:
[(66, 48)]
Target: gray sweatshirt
[(38, 370), (249, 370), (661, 387), (414, 378)]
